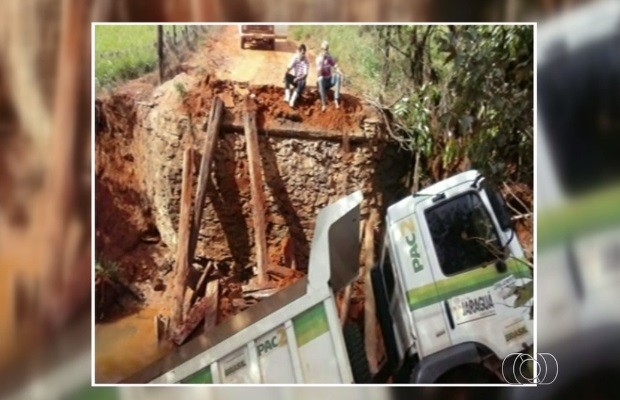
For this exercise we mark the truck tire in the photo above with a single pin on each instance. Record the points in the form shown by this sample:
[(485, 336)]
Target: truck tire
[(357, 353)]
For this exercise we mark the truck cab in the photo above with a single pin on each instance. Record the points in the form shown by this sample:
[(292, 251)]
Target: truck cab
[(264, 35), (452, 284)]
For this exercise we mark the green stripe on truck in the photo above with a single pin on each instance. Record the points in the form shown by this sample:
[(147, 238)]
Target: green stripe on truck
[(202, 376), (466, 282), (590, 213), (310, 324)]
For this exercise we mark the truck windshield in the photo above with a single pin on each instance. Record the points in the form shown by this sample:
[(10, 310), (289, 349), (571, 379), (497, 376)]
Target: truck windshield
[(462, 233)]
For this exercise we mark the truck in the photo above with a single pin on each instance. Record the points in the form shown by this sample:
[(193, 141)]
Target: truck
[(446, 289), (294, 335), (263, 35), (451, 284)]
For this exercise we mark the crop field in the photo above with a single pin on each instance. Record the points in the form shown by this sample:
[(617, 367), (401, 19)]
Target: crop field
[(123, 52)]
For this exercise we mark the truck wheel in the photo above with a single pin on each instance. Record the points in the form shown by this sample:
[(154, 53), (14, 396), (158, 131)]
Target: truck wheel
[(242, 43), (272, 44), (357, 353)]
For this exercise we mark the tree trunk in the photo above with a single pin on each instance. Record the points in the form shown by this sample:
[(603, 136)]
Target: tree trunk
[(160, 52), (182, 264), (257, 189), (416, 172), (386, 69)]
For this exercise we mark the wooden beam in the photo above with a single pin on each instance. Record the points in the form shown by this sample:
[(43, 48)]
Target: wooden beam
[(257, 189), (200, 284), (371, 342), (348, 291), (204, 309), (182, 264), (212, 296), (213, 128)]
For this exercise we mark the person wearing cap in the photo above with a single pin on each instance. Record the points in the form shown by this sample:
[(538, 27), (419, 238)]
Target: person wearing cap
[(297, 80), (329, 75)]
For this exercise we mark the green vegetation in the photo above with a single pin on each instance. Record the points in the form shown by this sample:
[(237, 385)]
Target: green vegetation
[(180, 89), (455, 96), (105, 268), (123, 52)]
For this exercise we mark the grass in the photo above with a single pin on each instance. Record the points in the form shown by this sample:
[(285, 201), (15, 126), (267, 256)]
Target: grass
[(123, 52), (127, 52)]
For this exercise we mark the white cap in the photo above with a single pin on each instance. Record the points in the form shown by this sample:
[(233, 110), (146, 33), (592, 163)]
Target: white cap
[(324, 45)]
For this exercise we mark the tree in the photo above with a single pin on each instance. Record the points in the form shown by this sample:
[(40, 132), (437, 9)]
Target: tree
[(160, 52), (459, 97)]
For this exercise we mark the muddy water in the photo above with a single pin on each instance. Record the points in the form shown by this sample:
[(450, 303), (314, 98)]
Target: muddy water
[(126, 345)]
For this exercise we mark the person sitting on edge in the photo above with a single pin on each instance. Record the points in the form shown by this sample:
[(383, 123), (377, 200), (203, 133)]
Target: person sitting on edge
[(329, 75), (297, 80)]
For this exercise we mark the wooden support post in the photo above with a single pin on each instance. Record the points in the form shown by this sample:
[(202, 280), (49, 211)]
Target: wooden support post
[(257, 188), (370, 317), (182, 265), (213, 128), (205, 308), (346, 298), (212, 296), (200, 284)]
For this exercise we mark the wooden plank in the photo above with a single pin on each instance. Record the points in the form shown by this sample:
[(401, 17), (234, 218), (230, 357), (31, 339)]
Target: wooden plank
[(196, 314), (348, 291), (257, 188), (161, 327), (204, 309), (371, 342), (212, 296), (182, 264), (213, 128), (201, 282), (294, 130)]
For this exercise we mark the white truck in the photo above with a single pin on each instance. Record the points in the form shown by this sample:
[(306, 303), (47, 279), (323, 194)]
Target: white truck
[(450, 288), (294, 336), (446, 288)]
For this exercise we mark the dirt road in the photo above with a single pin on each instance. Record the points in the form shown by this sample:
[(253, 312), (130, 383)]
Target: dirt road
[(222, 55)]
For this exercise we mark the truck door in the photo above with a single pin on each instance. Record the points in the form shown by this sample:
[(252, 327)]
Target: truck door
[(475, 283), (425, 312)]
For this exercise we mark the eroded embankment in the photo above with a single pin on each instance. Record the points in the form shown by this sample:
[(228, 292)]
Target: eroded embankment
[(309, 159)]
